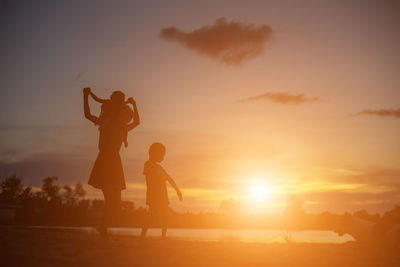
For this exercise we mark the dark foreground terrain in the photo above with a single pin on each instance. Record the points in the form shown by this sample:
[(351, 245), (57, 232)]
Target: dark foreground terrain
[(33, 247)]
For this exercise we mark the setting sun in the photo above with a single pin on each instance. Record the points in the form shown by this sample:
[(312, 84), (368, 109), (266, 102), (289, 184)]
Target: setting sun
[(259, 191)]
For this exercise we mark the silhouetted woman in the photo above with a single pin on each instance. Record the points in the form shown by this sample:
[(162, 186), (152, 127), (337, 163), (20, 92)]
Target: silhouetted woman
[(107, 173)]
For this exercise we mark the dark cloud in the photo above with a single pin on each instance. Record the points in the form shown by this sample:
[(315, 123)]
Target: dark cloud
[(281, 98), (69, 168), (392, 112), (228, 42)]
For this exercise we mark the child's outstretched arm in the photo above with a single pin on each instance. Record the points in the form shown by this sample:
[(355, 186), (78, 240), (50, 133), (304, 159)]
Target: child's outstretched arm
[(97, 99), (136, 119), (173, 184)]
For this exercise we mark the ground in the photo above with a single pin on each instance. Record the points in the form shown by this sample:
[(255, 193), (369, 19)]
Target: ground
[(33, 247)]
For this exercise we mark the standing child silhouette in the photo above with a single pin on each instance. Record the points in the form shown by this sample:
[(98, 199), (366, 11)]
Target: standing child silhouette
[(157, 195)]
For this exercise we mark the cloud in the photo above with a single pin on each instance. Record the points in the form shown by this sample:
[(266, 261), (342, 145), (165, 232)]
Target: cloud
[(281, 98), (68, 167), (231, 43), (382, 112), (375, 189), (340, 202), (374, 176)]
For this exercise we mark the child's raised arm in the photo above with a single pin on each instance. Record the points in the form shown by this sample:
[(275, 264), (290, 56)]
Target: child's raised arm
[(173, 184), (97, 99), (136, 119), (86, 108)]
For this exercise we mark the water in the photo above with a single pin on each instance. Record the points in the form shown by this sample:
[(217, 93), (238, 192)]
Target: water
[(216, 235)]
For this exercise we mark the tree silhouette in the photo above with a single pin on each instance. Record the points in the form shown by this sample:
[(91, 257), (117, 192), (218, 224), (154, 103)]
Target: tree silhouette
[(50, 191), (73, 195), (12, 191)]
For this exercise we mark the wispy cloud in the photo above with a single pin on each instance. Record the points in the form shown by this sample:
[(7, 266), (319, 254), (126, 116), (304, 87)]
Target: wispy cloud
[(231, 43), (330, 186), (392, 112), (281, 98)]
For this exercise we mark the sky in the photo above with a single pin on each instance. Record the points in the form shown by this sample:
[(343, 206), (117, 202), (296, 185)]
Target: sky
[(255, 101)]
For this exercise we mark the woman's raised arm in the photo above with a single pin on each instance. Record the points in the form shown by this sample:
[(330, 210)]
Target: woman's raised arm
[(86, 108)]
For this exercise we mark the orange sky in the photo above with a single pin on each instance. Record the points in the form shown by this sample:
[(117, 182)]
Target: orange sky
[(221, 116)]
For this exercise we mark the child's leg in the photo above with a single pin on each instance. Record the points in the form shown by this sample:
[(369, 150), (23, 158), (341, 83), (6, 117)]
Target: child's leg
[(164, 232), (164, 221), (146, 222), (144, 229)]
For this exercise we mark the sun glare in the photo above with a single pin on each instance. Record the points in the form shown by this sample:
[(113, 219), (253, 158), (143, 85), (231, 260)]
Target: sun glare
[(259, 191)]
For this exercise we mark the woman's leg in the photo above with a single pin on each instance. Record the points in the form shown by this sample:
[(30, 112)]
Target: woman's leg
[(112, 206), (115, 207), (104, 222)]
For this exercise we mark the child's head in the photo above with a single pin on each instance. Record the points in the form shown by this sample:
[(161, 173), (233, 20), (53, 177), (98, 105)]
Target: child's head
[(117, 97), (157, 152)]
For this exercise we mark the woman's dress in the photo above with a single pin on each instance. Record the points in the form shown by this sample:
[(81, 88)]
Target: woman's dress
[(107, 172)]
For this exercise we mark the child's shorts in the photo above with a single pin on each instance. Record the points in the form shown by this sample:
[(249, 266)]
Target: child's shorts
[(158, 215)]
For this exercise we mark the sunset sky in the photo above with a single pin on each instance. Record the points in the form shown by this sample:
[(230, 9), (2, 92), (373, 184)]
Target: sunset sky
[(293, 97)]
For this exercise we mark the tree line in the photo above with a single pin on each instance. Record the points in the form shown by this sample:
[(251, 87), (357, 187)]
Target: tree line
[(67, 206)]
